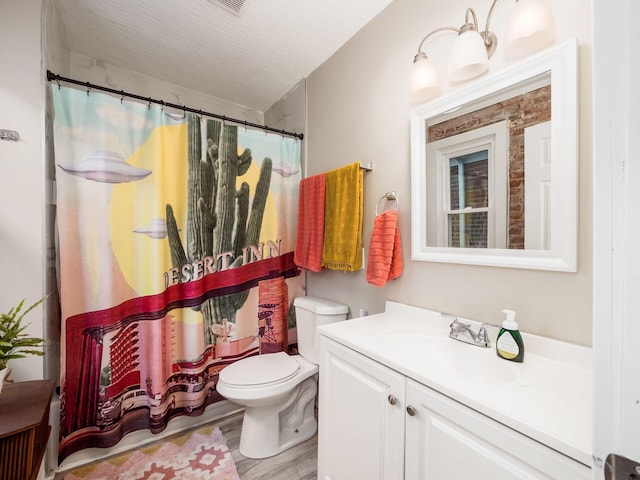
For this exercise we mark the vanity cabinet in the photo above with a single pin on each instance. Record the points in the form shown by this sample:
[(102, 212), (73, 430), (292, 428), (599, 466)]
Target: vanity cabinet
[(374, 422), (361, 417), (447, 440)]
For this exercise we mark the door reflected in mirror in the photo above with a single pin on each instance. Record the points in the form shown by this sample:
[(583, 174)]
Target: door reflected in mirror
[(494, 168)]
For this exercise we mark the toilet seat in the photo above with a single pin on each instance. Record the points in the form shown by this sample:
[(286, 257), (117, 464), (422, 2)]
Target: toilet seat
[(260, 371)]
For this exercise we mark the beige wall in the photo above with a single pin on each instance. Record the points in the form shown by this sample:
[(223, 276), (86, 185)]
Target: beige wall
[(357, 109)]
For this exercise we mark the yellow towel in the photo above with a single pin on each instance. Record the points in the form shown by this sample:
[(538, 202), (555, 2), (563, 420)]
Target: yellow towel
[(342, 249)]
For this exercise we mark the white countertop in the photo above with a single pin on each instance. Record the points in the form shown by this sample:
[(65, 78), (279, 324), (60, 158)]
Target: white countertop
[(548, 397)]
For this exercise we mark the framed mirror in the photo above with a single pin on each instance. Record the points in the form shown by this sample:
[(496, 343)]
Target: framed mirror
[(494, 168)]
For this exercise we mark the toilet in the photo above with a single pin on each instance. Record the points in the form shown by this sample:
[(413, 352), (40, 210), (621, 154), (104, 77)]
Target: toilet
[(279, 390)]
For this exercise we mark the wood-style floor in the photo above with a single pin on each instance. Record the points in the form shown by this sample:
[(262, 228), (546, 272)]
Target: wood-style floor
[(297, 463)]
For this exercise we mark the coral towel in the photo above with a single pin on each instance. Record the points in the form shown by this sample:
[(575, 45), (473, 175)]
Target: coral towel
[(342, 248), (310, 234), (385, 251)]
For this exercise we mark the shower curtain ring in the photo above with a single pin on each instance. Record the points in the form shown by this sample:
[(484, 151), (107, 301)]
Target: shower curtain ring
[(58, 84), (88, 88), (245, 125), (121, 96)]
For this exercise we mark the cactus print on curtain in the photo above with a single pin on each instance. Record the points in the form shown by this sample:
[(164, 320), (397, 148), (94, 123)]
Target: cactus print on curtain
[(176, 237)]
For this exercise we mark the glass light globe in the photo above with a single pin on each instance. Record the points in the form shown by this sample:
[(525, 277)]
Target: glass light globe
[(423, 80), (468, 57), (530, 28)]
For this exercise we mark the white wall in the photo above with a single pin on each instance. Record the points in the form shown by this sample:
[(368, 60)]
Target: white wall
[(357, 109), (289, 113), (56, 46), (87, 69), (22, 202)]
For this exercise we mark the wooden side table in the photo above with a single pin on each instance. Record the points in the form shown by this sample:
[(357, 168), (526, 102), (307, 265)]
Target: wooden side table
[(24, 428)]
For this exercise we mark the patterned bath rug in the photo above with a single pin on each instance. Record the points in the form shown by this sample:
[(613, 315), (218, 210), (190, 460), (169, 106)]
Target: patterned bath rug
[(199, 455)]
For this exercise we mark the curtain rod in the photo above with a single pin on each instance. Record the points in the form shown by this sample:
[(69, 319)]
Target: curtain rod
[(58, 78)]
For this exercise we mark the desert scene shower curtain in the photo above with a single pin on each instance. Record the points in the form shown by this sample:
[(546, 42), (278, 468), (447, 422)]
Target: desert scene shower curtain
[(175, 247)]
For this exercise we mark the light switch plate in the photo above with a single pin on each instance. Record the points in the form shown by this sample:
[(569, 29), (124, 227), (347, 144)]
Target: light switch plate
[(11, 135)]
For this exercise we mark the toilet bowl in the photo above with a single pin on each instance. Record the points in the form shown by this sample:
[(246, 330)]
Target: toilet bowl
[(279, 390)]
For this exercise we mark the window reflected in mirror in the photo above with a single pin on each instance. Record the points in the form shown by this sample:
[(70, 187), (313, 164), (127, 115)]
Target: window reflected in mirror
[(467, 218), (487, 169)]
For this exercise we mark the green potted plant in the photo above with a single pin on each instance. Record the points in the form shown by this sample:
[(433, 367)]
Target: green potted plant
[(14, 342)]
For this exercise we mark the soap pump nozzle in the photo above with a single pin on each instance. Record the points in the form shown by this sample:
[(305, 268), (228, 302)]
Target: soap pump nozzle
[(510, 322)]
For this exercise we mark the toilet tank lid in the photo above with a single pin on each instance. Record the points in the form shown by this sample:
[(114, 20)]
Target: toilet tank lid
[(320, 306)]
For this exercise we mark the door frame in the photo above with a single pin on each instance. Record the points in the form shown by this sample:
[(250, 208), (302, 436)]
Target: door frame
[(616, 276)]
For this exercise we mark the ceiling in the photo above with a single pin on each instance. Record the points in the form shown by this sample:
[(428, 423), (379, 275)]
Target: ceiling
[(252, 58)]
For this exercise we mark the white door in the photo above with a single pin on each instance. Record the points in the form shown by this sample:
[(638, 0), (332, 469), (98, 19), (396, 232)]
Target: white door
[(616, 159), (446, 440), (537, 182), (361, 417)]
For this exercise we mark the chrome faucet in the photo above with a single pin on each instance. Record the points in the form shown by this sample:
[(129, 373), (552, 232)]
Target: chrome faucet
[(463, 332)]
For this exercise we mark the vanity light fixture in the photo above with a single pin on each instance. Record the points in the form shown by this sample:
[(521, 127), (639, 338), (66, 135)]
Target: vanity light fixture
[(530, 28)]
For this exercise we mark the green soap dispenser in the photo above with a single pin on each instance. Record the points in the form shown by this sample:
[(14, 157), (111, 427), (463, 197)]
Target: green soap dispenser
[(509, 344)]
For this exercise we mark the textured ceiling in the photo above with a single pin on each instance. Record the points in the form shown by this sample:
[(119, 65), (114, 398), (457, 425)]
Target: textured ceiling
[(252, 58)]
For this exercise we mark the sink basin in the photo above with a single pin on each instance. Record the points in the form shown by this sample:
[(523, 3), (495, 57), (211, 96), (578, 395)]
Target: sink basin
[(451, 357), (418, 340), (484, 368)]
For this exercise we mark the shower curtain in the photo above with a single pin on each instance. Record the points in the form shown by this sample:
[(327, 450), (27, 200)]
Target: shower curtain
[(175, 247)]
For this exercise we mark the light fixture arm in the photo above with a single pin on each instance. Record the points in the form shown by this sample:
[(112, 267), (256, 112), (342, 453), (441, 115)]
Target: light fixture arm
[(490, 39), (530, 27), (467, 24), (433, 32)]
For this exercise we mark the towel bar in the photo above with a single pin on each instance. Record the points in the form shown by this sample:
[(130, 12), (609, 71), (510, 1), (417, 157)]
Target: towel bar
[(367, 167)]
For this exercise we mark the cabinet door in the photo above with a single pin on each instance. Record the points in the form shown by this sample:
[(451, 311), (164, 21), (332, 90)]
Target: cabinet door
[(361, 417), (446, 440)]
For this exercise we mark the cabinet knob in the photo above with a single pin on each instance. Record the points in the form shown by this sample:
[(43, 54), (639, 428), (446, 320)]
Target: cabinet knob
[(411, 411), (392, 399)]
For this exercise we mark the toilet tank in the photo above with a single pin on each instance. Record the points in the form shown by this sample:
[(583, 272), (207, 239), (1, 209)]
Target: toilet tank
[(312, 312)]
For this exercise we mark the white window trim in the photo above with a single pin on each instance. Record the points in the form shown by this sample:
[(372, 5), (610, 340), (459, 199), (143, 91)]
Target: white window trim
[(493, 138)]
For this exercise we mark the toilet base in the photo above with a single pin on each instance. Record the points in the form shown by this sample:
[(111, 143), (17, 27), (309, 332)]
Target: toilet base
[(268, 431)]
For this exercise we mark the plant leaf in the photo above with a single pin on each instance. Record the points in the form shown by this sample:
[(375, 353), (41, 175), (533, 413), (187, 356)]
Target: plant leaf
[(38, 353), (14, 342)]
